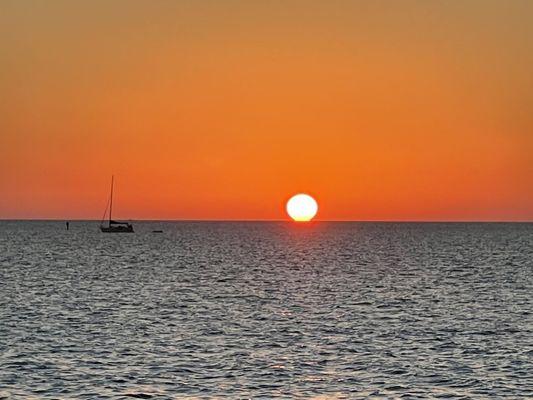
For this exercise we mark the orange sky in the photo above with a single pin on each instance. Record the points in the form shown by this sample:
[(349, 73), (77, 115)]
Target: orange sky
[(404, 110)]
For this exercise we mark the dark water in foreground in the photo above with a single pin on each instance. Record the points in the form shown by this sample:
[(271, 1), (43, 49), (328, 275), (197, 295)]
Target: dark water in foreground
[(251, 310)]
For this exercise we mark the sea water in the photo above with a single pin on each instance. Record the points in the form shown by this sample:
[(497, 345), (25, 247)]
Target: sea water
[(266, 310)]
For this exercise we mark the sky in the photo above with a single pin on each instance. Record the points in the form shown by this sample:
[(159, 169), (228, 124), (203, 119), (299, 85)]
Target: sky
[(381, 110)]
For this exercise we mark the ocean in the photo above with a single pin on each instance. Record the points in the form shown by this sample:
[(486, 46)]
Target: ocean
[(266, 310)]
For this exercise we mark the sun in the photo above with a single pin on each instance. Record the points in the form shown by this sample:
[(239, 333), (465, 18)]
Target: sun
[(302, 207)]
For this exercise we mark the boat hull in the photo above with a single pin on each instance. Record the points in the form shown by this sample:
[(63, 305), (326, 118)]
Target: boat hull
[(117, 229)]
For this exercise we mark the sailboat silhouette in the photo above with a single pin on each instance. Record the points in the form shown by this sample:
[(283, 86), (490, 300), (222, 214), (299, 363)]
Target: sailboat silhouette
[(114, 226)]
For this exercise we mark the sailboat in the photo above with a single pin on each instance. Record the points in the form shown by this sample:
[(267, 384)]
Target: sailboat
[(114, 226)]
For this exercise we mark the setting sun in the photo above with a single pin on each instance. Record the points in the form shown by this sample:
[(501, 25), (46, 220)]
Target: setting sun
[(302, 207)]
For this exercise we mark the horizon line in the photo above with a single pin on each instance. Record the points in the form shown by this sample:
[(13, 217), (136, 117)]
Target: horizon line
[(278, 220)]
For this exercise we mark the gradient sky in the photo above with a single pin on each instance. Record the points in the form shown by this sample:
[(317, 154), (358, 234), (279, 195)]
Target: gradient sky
[(383, 110)]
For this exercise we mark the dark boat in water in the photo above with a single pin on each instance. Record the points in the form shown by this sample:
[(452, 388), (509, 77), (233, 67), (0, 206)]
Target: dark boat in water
[(114, 226), (117, 227)]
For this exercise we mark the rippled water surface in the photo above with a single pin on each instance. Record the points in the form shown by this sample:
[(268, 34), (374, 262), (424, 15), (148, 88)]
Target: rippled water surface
[(263, 310)]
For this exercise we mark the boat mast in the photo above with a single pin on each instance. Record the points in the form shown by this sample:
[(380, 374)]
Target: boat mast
[(111, 201)]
